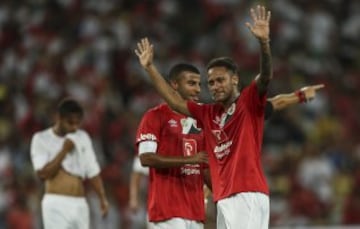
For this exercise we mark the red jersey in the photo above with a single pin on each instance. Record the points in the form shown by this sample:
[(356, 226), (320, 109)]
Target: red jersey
[(178, 191), (233, 141)]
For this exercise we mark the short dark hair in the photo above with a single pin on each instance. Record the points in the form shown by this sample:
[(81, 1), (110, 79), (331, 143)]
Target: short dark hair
[(177, 69), (69, 106), (226, 62)]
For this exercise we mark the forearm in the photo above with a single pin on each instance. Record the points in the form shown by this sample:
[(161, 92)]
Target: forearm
[(51, 168), (157, 161), (134, 187), (265, 66), (173, 99), (282, 101), (207, 179), (97, 184)]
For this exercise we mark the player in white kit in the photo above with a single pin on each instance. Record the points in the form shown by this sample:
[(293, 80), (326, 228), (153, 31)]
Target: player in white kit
[(63, 157)]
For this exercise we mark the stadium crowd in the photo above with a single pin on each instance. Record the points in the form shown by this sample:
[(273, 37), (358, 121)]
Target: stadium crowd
[(84, 49)]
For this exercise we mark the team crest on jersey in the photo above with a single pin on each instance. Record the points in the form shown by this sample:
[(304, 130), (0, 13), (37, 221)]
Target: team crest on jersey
[(219, 135), (189, 146), (189, 149), (189, 126)]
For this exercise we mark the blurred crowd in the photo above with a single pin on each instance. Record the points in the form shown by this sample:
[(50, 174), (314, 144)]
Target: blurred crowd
[(84, 49)]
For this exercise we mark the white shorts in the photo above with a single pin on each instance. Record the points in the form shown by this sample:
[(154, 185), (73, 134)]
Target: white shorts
[(65, 212), (246, 210), (176, 223)]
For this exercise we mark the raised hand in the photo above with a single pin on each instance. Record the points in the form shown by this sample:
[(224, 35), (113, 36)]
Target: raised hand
[(260, 26), (145, 52), (310, 91)]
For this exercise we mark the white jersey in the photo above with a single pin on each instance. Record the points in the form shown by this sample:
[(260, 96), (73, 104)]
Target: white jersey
[(45, 145)]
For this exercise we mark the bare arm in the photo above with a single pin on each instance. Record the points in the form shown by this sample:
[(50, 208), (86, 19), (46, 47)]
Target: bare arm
[(260, 29), (134, 190), (97, 184), (305, 94), (207, 179), (145, 53), (51, 168), (158, 161)]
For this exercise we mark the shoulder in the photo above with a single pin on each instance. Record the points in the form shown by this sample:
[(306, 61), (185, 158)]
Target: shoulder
[(79, 135), (162, 108), (251, 86), (82, 133), (42, 134)]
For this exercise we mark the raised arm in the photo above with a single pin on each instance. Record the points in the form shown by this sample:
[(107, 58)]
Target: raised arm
[(260, 29), (302, 95), (145, 53)]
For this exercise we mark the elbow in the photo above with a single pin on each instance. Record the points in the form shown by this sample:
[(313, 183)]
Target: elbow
[(175, 104), (43, 175), (146, 160)]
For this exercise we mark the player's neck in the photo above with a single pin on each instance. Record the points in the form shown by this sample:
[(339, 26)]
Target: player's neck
[(231, 100), (58, 131)]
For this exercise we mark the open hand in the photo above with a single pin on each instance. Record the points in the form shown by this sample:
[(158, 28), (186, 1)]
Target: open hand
[(145, 52), (260, 25)]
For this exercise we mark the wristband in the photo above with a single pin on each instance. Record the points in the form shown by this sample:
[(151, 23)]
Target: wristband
[(301, 96), (265, 41)]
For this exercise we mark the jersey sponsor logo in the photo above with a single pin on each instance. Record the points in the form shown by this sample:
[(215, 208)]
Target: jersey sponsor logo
[(172, 123), (146, 137), (190, 170), (222, 150)]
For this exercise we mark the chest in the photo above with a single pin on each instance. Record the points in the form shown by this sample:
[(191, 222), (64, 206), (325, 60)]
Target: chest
[(181, 127), (182, 135), (53, 145)]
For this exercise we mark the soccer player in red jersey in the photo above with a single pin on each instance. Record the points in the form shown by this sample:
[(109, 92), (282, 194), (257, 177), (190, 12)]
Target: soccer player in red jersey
[(171, 145), (233, 129)]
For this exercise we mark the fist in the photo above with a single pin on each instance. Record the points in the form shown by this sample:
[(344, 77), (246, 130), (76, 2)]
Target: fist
[(68, 145)]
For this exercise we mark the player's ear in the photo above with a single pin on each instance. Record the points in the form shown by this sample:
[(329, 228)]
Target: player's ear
[(235, 80), (173, 84)]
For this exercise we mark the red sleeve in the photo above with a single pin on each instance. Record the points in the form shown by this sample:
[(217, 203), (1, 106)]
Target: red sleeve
[(255, 102), (197, 110), (149, 128)]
